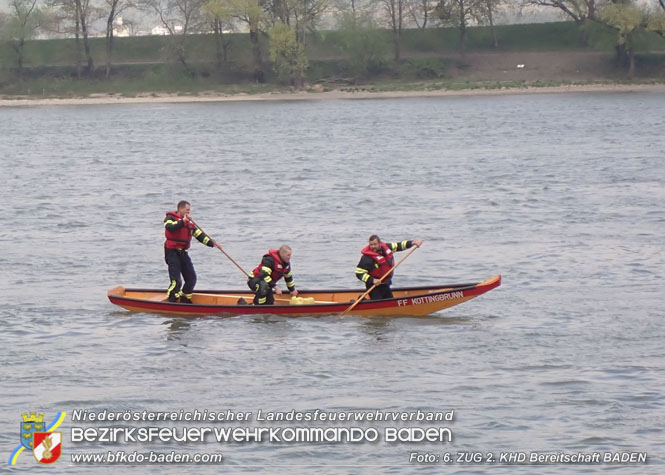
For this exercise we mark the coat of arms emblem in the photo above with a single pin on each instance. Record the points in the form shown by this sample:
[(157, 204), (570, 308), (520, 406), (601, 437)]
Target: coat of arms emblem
[(31, 423), (39, 438)]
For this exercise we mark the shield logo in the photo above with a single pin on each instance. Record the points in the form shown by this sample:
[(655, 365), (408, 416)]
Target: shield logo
[(29, 428), (48, 446)]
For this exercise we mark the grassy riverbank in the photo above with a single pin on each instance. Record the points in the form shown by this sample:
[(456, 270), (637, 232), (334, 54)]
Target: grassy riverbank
[(539, 55)]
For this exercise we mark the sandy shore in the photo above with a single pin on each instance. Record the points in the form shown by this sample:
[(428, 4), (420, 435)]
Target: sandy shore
[(329, 95)]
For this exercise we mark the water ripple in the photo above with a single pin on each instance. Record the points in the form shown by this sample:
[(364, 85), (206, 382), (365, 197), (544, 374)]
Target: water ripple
[(561, 194)]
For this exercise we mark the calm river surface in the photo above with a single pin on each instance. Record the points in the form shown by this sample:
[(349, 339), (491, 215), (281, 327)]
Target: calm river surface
[(564, 195)]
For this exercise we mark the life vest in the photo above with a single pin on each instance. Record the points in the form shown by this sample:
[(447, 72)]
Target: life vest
[(280, 268), (181, 238), (384, 261)]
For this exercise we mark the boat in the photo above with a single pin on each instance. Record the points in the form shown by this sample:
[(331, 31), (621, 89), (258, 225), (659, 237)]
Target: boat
[(406, 301)]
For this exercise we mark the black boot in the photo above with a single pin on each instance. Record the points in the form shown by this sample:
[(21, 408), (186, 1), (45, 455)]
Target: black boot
[(184, 299)]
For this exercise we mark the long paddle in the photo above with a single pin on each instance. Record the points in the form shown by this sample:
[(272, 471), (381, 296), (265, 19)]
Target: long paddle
[(223, 251), (353, 305)]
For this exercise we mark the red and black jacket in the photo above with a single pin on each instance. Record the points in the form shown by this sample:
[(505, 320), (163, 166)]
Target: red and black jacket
[(376, 264), (179, 234), (271, 269)]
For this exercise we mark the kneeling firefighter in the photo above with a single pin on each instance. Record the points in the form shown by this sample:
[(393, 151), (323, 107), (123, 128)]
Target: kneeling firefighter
[(274, 265)]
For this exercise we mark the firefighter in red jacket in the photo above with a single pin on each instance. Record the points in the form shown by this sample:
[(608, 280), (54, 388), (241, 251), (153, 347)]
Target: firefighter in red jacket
[(179, 230), (377, 259), (274, 265)]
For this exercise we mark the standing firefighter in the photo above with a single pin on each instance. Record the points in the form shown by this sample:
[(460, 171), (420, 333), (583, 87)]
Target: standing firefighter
[(179, 229), (377, 259)]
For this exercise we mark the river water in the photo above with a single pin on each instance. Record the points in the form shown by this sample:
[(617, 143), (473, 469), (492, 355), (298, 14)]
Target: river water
[(562, 194)]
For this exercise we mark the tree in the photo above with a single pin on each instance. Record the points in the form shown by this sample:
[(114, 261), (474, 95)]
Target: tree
[(277, 11), (251, 13), (361, 42), (421, 11), (580, 11), (218, 13), (354, 8), (459, 13), (626, 19), (116, 7), (656, 21), (74, 16), (287, 54), (486, 11), (301, 15), (82, 15), (394, 11), (307, 15), (22, 24), (179, 17)]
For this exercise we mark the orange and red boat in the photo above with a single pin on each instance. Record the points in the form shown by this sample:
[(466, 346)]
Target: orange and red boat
[(407, 301)]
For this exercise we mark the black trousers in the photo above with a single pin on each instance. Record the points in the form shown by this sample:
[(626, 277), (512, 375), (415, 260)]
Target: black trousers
[(263, 292), (381, 291), (179, 263)]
